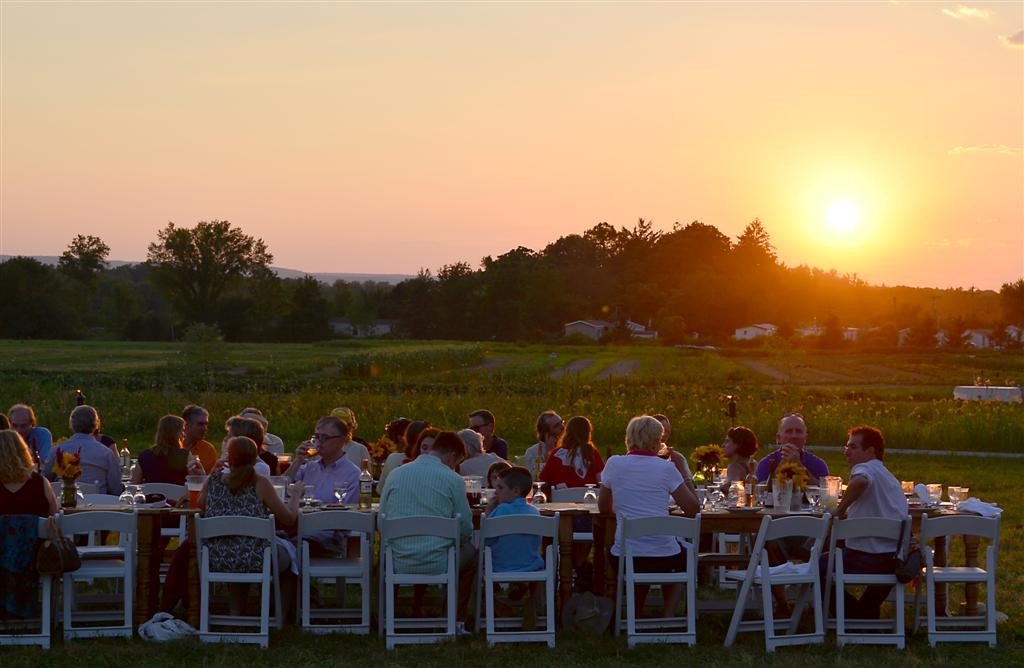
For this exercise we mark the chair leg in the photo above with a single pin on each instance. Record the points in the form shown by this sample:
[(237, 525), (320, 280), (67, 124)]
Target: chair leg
[(766, 610)]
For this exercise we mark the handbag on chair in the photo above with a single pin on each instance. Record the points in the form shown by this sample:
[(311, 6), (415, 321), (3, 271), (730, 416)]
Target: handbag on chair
[(56, 554)]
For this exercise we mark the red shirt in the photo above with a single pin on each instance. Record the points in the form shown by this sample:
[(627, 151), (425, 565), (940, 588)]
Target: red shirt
[(558, 470)]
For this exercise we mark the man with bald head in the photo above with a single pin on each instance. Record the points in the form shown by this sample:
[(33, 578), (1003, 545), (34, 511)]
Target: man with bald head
[(792, 437)]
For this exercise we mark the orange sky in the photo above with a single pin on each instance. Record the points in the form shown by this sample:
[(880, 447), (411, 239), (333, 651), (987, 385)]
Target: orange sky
[(388, 137)]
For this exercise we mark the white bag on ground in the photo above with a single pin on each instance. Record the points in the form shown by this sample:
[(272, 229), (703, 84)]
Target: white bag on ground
[(164, 627)]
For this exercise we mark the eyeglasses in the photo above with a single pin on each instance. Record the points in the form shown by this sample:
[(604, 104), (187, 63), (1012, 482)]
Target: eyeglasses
[(320, 438), (478, 427)]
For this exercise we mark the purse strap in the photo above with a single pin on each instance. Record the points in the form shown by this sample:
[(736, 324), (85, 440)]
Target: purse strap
[(53, 529)]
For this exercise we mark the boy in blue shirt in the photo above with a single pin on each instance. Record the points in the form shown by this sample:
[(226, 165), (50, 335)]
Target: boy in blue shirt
[(516, 552)]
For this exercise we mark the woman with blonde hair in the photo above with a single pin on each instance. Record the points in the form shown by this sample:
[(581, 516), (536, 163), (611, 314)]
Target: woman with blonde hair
[(167, 461), (22, 490)]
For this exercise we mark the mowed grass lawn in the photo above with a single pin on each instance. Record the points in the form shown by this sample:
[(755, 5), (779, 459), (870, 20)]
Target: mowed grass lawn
[(908, 395)]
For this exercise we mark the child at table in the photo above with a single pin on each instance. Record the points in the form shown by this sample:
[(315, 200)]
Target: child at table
[(516, 552)]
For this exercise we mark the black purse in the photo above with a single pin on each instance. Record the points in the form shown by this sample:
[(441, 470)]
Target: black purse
[(56, 554), (908, 568)]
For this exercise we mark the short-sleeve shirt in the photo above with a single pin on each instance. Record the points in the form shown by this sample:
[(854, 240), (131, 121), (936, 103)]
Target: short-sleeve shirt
[(515, 552), (816, 466), (882, 498), (39, 442), (499, 446), (642, 486), (321, 480), (561, 470), (206, 454)]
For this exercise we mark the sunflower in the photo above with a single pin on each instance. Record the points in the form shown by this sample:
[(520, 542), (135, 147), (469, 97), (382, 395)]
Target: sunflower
[(67, 465), (793, 471)]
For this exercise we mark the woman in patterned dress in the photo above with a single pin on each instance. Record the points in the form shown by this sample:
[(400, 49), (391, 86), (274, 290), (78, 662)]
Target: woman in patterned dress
[(241, 492)]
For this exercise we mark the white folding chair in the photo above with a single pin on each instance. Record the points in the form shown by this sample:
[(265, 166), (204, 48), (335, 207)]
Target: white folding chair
[(573, 495), (170, 491), (656, 629), (959, 628), (851, 631), (226, 526), (759, 573), (545, 527), (725, 541), (19, 632), (341, 569), (101, 499), (101, 562), (416, 628)]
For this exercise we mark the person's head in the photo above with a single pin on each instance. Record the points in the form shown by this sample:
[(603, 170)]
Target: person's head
[(550, 426), (577, 438), (493, 472), (449, 448), (666, 425), (412, 435), (792, 430), (256, 414), (84, 420), (644, 433), (513, 483), (332, 433), (5, 423), (349, 417), (740, 442), (15, 460), (482, 422), (242, 457), (864, 444), (474, 442), (243, 426), (424, 440), (395, 431), (23, 419), (197, 422), (170, 432)]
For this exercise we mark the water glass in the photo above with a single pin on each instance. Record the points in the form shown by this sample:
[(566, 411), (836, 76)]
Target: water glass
[(702, 496), (957, 495), (590, 496), (539, 497), (138, 496), (908, 487), (340, 494), (715, 495), (935, 493), (761, 494), (813, 494)]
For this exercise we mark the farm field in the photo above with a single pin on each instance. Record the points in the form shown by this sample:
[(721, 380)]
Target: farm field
[(908, 396)]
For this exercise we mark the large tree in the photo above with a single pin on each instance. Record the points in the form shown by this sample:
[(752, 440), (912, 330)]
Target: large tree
[(84, 259), (194, 267)]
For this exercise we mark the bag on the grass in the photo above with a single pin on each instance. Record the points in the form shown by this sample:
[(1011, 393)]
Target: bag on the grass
[(56, 553), (164, 627)]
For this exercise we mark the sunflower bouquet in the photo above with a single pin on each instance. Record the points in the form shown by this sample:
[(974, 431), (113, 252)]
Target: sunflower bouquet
[(379, 450), (67, 465), (792, 471), (708, 459)]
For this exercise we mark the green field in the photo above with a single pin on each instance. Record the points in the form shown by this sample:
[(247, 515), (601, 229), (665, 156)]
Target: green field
[(908, 396)]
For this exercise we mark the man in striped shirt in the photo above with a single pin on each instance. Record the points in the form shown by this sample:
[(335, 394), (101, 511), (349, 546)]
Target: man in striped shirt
[(429, 487)]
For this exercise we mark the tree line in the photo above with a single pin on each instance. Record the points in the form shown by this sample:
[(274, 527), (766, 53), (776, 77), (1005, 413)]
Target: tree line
[(691, 283)]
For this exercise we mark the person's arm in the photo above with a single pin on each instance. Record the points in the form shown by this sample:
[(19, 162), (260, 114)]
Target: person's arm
[(686, 500), (285, 514), (43, 442), (298, 460), (604, 500), (858, 484), (51, 498), (461, 504), (136, 477), (550, 472), (114, 485)]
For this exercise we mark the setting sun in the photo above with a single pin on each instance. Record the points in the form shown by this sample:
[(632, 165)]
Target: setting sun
[(843, 217)]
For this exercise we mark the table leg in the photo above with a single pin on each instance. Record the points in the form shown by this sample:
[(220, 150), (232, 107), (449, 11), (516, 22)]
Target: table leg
[(145, 594), (971, 588), (193, 576), (940, 589), (564, 559), (600, 557)]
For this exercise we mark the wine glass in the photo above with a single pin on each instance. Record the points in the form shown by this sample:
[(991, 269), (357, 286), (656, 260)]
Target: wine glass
[(761, 493), (702, 496), (138, 496), (715, 495), (126, 497), (341, 493), (813, 495), (956, 495), (590, 496), (539, 497)]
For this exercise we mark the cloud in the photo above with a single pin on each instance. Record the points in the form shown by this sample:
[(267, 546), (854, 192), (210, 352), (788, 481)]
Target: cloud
[(1014, 41), (1000, 149), (964, 12)]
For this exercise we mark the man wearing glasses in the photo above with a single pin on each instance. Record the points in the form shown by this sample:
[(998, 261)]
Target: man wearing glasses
[(333, 470), (550, 426), (38, 439), (792, 437), (483, 423)]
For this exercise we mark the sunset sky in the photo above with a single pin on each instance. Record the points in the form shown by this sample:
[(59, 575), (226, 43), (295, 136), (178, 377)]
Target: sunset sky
[(878, 138)]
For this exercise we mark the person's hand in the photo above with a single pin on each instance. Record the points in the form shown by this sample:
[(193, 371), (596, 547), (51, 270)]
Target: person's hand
[(790, 453), (195, 468), (220, 465), (302, 452), (296, 490), (492, 503)]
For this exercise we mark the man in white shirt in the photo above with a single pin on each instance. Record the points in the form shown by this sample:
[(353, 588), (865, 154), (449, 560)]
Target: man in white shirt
[(550, 426), (872, 492)]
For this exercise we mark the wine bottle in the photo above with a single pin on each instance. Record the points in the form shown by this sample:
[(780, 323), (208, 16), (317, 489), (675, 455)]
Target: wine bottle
[(365, 486)]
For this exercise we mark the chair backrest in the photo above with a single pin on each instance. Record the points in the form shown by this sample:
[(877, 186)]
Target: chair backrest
[(534, 525), (869, 527), (568, 495), (233, 525), (88, 487), (443, 527), (101, 499), (98, 520), (959, 525), (800, 525), (686, 528), (171, 492), (336, 520)]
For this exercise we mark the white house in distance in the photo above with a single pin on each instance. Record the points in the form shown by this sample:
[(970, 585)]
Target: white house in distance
[(595, 329), (754, 331), (346, 327), (978, 338)]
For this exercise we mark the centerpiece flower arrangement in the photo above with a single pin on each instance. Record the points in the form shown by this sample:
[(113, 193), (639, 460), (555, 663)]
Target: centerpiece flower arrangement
[(68, 467), (708, 458), (379, 451), (795, 472)]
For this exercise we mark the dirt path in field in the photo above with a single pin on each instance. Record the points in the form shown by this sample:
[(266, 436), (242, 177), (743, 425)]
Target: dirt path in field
[(619, 369), (487, 365), (573, 367), (762, 368)]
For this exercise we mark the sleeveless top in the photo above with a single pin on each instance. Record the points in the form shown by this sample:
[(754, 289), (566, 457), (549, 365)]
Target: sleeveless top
[(30, 499), (169, 468), (234, 554)]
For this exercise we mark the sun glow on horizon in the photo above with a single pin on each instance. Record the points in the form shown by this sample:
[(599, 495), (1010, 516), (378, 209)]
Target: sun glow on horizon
[(843, 217)]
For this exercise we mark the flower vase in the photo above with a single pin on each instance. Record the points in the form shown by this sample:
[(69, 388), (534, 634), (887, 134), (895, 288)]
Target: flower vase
[(782, 495), (68, 493), (796, 504), (375, 468)]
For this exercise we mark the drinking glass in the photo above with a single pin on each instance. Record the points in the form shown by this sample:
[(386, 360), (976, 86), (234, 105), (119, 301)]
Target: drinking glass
[(126, 497), (539, 497), (702, 496), (761, 493), (715, 495), (485, 495), (813, 494), (341, 493), (908, 487), (935, 493), (138, 496), (590, 496), (957, 495)]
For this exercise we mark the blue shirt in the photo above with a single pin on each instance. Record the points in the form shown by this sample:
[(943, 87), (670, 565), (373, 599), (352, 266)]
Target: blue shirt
[(39, 442), (816, 466), (99, 463), (321, 480), (517, 552)]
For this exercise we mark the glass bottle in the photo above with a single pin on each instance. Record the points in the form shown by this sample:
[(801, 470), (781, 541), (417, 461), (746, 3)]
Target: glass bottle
[(365, 486), (750, 483), (126, 458)]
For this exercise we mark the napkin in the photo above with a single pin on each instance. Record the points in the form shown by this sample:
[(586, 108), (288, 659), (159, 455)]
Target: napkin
[(922, 492), (973, 505), (788, 568)]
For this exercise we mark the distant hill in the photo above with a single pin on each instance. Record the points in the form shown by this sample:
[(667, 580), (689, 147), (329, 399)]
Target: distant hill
[(324, 277)]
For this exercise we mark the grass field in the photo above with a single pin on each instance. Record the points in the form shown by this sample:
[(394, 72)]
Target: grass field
[(907, 395)]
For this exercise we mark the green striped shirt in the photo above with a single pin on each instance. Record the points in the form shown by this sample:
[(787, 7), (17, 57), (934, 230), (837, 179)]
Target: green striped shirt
[(425, 487)]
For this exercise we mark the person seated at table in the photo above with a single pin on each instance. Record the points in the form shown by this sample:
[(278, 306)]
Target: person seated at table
[(252, 429), (666, 449), (494, 471), (197, 423), (167, 461), (483, 422), (243, 493), (792, 438), (872, 492), (355, 449), (395, 432), (477, 462), (38, 439), (575, 461), (641, 484), (429, 487), (549, 428), (739, 446), (516, 552), (23, 491), (99, 464), (271, 442)]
